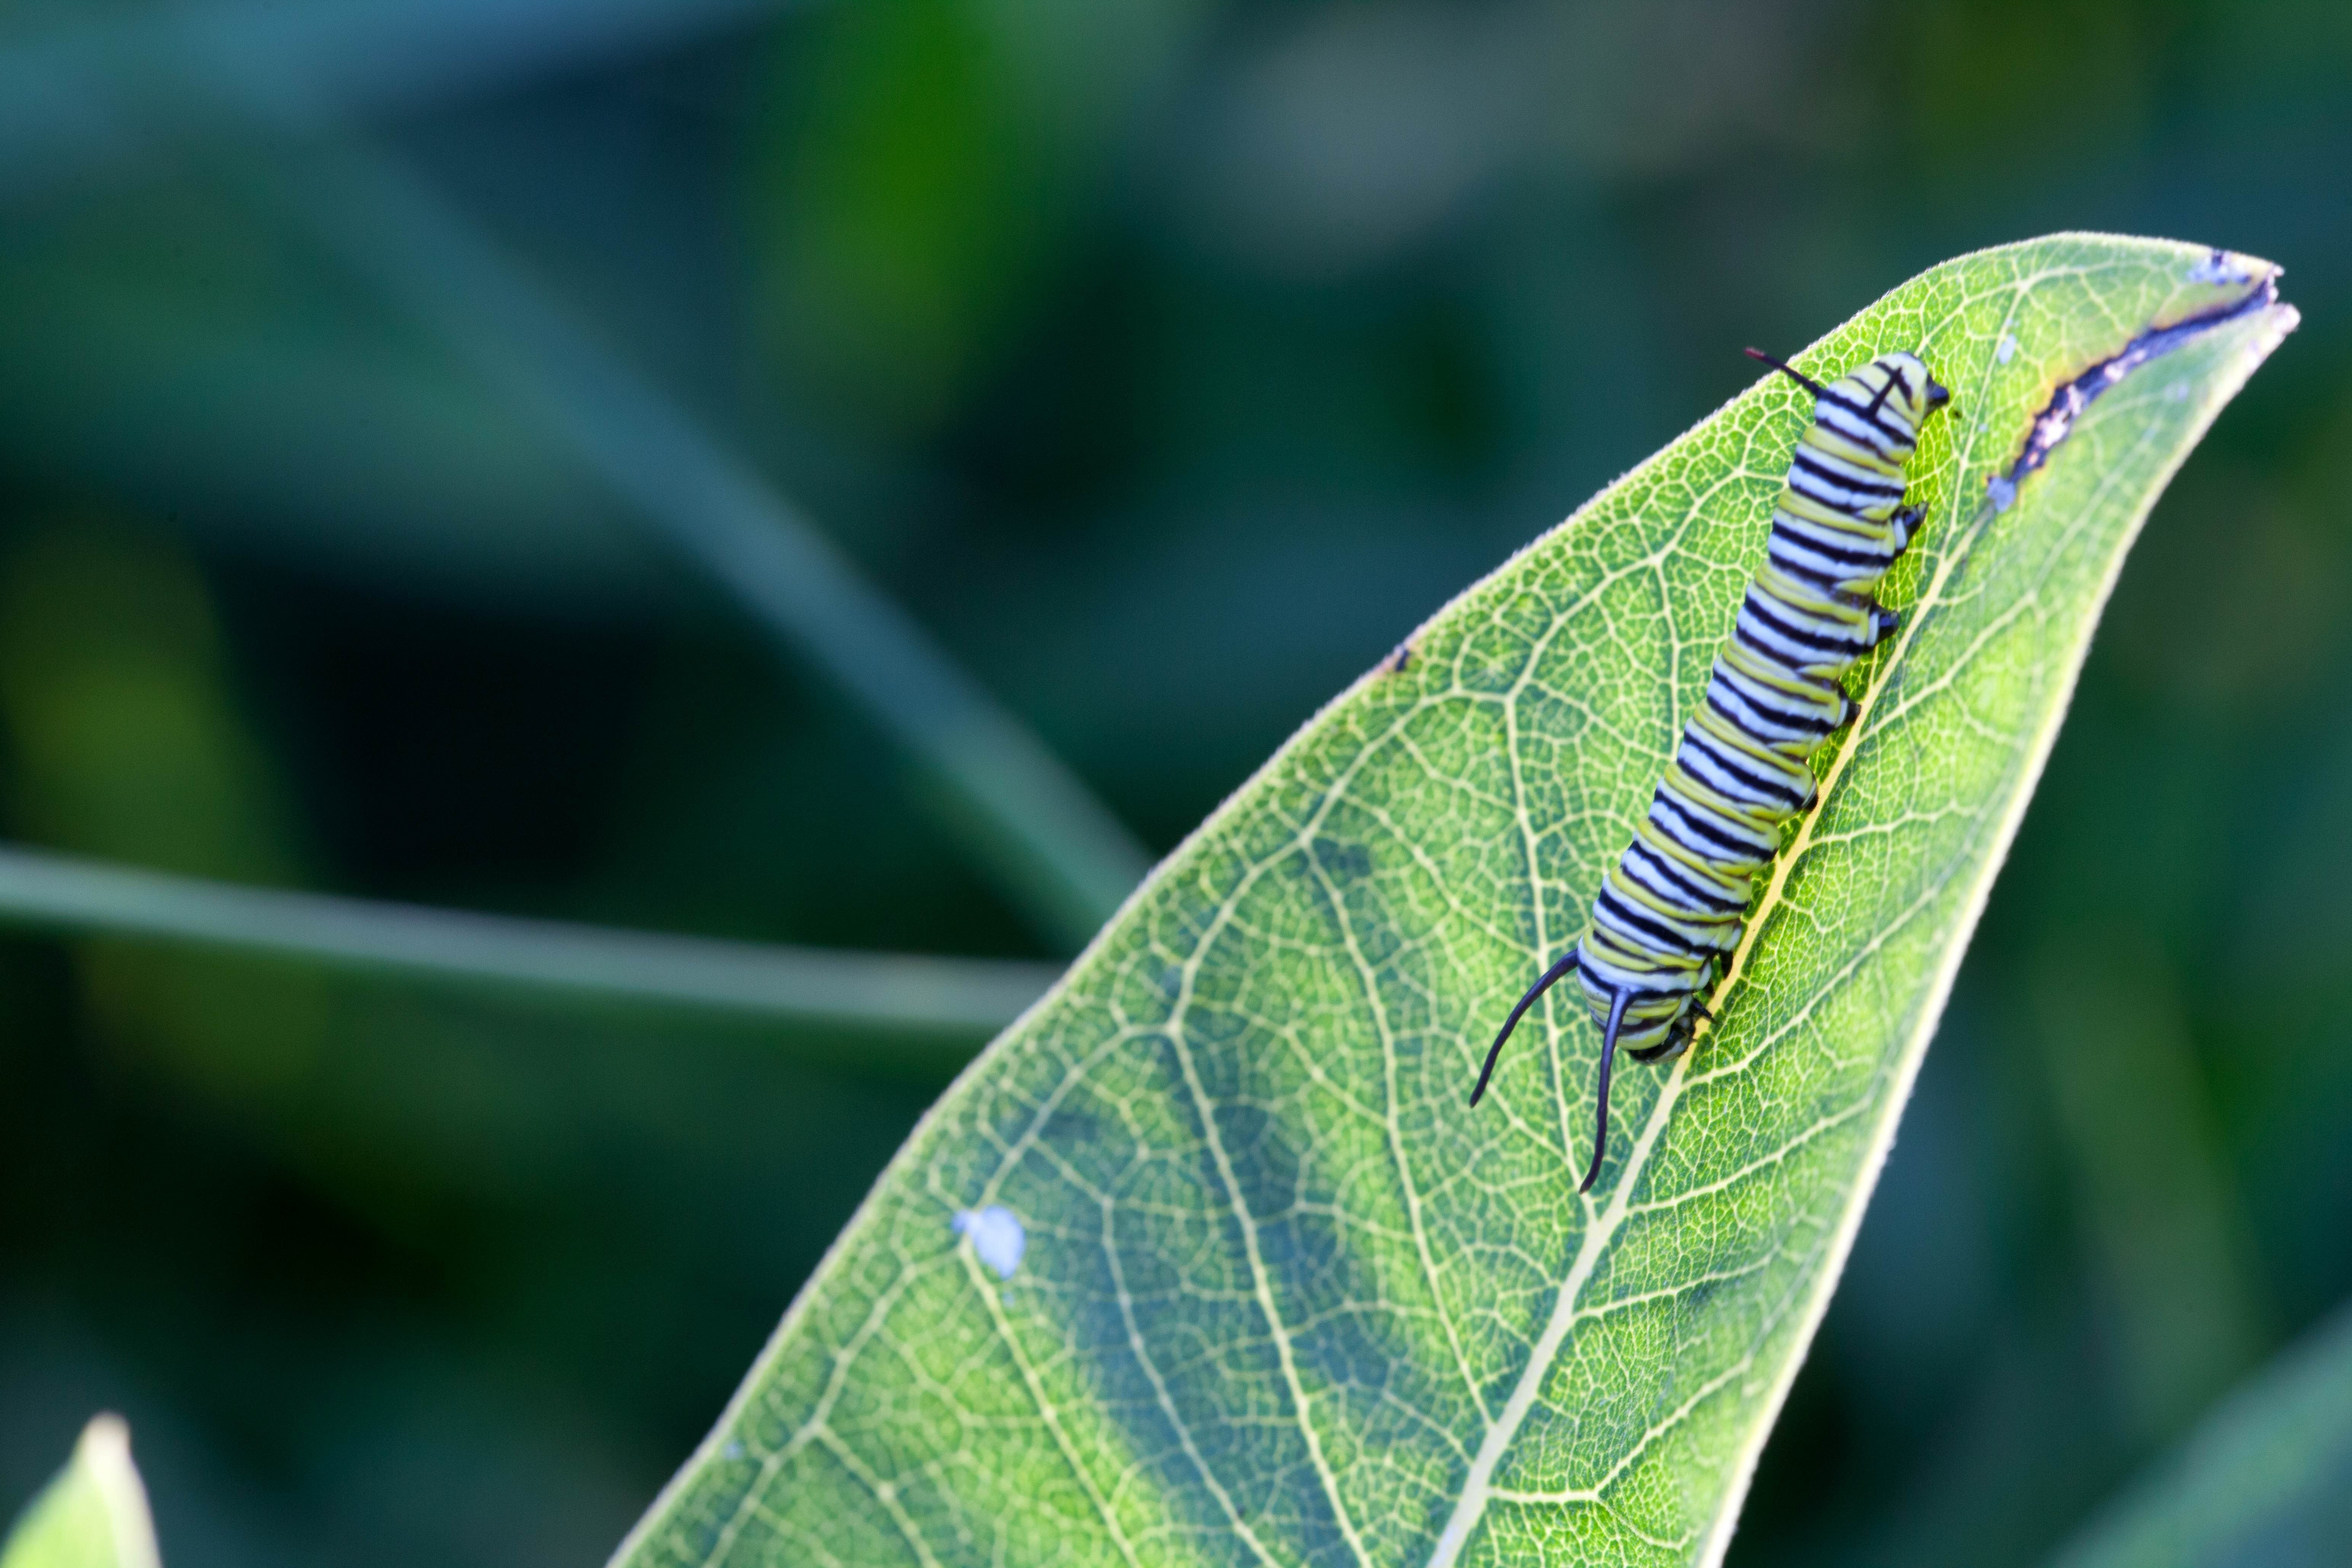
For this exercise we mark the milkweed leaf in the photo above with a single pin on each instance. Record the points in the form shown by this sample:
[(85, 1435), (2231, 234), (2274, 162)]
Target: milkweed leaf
[(2267, 1478), (94, 1515), (1284, 1297)]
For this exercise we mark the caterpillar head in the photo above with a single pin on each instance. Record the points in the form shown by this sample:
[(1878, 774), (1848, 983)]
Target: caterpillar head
[(1897, 379), (1900, 384)]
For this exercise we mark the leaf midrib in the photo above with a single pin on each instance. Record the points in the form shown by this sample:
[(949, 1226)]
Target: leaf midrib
[(2031, 758), (1602, 1228)]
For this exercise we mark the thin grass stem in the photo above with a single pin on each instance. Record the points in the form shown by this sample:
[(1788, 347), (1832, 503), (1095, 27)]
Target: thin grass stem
[(1055, 850), (1031, 825), (899, 993)]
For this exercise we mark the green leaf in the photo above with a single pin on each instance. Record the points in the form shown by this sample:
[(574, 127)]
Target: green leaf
[(94, 1515), (1285, 1298), (2267, 1479)]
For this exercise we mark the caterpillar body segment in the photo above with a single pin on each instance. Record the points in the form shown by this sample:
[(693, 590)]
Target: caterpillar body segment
[(1670, 913)]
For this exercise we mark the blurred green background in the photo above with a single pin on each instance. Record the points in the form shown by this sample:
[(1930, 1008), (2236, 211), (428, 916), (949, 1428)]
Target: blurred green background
[(1166, 361)]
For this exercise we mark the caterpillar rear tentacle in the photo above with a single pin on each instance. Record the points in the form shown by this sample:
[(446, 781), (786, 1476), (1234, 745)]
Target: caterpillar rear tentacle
[(1549, 977), (1674, 906), (1600, 1094)]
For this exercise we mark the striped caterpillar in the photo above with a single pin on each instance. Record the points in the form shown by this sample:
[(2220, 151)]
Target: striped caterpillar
[(1670, 912)]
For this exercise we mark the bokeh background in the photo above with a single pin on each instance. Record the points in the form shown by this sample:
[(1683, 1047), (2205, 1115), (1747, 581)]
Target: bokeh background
[(1165, 361)]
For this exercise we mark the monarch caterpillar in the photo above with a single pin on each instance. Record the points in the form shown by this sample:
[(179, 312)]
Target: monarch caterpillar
[(1671, 910)]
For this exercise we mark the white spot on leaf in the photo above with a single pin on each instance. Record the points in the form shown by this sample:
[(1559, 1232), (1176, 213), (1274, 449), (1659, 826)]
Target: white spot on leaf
[(2005, 348), (2220, 267), (2003, 494), (996, 1235)]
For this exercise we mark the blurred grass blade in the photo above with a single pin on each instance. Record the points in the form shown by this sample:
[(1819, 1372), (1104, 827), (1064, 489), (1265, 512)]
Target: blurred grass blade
[(1278, 1295), (897, 992), (2266, 1479), (1055, 850), (61, 120), (94, 1515)]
